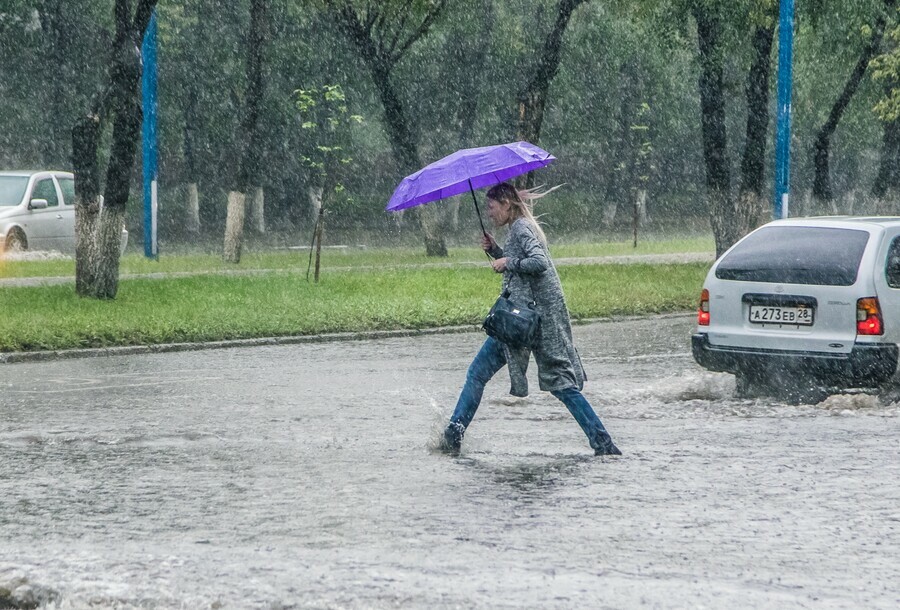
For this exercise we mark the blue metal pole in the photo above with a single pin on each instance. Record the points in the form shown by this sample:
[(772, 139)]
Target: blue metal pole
[(783, 135), (151, 109)]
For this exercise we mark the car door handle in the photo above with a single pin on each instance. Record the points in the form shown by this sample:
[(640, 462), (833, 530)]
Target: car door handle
[(59, 217)]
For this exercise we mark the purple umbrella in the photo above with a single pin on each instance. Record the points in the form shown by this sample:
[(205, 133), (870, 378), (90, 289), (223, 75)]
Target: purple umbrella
[(467, 170)]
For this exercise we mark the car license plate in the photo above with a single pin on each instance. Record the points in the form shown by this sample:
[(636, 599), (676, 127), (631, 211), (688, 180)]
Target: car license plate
[(776, 314)]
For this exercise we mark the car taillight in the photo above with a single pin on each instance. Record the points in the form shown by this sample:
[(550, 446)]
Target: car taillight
[(703, 310), (868, 317)]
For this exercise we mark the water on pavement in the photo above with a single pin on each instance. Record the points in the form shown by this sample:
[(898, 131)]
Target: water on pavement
[(305, 476)]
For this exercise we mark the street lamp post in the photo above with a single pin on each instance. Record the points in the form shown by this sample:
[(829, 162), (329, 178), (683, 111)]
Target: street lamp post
[(783, 135), (149, 138)]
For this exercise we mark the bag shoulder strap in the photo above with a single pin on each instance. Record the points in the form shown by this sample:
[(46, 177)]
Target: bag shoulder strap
[(531, 304)]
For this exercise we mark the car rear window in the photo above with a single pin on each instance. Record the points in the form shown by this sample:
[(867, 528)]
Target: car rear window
[(796, 255), (12, 189)]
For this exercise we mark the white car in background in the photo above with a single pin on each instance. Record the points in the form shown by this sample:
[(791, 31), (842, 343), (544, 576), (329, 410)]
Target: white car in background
[(804, 306), (37, 211)]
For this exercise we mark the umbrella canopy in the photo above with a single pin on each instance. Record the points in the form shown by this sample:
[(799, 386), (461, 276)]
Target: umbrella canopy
[(467, 169)]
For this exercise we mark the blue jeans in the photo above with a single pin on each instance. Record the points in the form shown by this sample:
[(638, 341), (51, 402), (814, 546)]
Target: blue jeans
[(490, 359)]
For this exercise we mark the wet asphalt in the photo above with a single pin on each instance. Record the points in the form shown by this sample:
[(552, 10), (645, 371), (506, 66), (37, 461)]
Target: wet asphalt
[(306, 476)]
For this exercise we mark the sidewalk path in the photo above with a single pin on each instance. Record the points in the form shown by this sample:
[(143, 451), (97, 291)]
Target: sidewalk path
[(627, 259)]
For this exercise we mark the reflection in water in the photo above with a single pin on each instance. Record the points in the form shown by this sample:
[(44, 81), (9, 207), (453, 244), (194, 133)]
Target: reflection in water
[(528, 479)]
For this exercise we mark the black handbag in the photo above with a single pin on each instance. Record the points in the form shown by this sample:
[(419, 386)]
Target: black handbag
[(514, 325)]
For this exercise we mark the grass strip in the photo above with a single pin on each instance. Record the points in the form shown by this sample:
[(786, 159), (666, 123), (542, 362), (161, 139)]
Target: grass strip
[(210, 308), (333, 259)]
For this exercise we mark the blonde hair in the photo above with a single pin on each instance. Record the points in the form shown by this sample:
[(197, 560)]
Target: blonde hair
[(522, 201)]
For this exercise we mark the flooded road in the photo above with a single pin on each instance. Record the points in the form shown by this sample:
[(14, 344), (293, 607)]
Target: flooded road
[(304, 476)]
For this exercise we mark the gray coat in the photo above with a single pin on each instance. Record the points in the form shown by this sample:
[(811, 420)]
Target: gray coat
[(531, 276)]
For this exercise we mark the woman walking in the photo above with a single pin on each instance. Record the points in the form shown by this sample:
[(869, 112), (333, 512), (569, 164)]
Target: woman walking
[(528, 276)]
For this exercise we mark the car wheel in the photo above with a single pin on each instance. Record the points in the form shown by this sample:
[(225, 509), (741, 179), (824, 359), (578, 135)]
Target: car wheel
[(15, 241)]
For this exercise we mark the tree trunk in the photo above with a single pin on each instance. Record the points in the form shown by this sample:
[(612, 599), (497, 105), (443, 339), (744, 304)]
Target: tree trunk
[(126, 133), (319, 236), (473, 53), (641, 199), (192, 224), (189, 133), (751, 200), (315, 201), (234, 227), (317, 213), (533, 98), (715, 140), (453, 212), (430, 221), (99, 222), (249, 164), (639, 212), (610, 207), (621, 176), (85, 141), (822, 183), (257, 208), (109, 245), (849, 202), (406, 153), (87, 247), (888, 177), (381, 49), (753, 210), (404, 145), (804, 204)]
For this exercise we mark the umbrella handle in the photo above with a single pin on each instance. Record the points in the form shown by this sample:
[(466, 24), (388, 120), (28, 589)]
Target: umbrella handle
[(478, 213)]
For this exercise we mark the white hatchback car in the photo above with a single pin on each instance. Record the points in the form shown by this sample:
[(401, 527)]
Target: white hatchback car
[(804, 305), (37, 211)]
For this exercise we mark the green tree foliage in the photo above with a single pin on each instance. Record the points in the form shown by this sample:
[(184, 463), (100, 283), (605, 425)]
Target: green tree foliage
[(458, 86), (48, 72), (886, 72), (326, 121), (383, 34)]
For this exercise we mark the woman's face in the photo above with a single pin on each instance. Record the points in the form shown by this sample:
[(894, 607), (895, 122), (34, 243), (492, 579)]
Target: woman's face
[(499, 212)]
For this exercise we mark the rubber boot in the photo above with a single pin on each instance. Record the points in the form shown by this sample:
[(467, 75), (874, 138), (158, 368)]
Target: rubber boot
[(604, 445), (452, 439)]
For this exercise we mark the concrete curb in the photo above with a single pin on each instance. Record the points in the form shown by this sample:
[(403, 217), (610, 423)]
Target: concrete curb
[(130, 350)]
